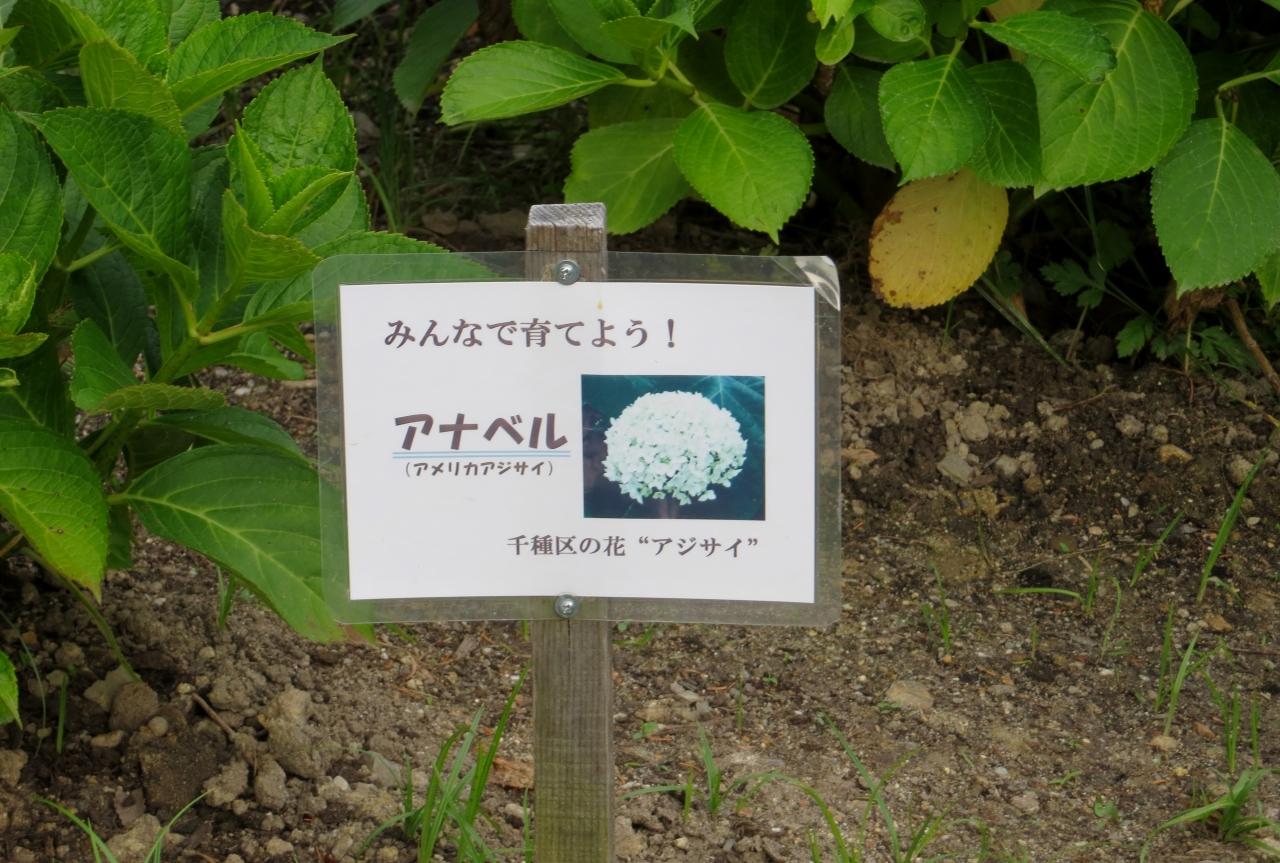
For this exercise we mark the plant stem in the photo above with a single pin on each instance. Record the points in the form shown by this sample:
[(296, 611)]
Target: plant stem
[(636, 82), (1251, 344), (1272, 74), (85, 260), (11, 543), (77, 239)]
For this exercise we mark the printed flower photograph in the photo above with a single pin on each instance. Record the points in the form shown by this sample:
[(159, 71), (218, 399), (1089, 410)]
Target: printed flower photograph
[(673, 446)]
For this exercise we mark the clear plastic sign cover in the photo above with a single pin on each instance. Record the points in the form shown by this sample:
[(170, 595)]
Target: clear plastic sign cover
[(650, 447)]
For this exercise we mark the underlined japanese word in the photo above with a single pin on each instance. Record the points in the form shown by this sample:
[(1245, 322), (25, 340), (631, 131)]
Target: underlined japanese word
[(542, 544)]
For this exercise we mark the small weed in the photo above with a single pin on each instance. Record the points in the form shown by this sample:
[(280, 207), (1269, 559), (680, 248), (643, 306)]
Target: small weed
[(1233, 817), (1228, 524), (937, 619), (103, 854), (1105, 648), (717, 791), (1190, 665), (1065, 778), (1229, 711), (1148, 555), (453, 791), (1105, 810)]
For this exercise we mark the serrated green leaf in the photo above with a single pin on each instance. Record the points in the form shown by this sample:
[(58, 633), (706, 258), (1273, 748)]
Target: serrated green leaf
[(348, 12), (1215, 201), (852, 115), (935, 117), (134, 172), (50, 491), (159, 397), (537, 22), (435, 34), (119, 539), (30, 203), (299, 120), (770, 51), (1134, 336), (1068, 278), (649, 39), (631, 168), (257, 355), (109, 293), (1010, 155), (899, 20), (187, 16), (1268, 274), (1067, 40), (248, 180), (755, 167), (349, 214), (582, 20), (46, 35), (835, 42), (231, 425), (99, 370), (514, 78), (17, 291), (8, 690), (42, 398), (303, 195), (137, 26), (1092, 133), (251, 510), (28, 91), (20, 345), (623, 104), (114, 79), (703, 63), (230, 51), (254, 256)]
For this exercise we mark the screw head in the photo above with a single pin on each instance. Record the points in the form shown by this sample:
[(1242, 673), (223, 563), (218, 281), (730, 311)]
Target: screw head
[(567, 272), (566, 606)]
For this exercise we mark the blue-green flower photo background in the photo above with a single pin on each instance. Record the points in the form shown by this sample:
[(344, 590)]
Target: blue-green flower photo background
[(611, 485)]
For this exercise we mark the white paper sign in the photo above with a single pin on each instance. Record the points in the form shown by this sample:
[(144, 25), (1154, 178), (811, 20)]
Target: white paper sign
[(606, 439)]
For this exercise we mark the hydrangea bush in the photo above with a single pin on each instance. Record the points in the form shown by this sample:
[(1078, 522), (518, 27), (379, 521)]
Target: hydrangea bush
[(674, 444)]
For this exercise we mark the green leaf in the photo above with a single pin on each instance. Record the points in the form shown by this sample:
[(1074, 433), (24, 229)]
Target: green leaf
[(42, 398), (230, 51), (1067, 40), (7, 35), (514, 78), (1268, 274), (755, 167), (114, 79), (50, 491), (254, 256), (1010, 155), (623, 104), (30, 200), (133, 171), (246, 161), (99, 371), (8, 690), (160, 397), (870, 45), (703, 63), (649, 39), (770, 51), (582, 20), (1215, 201), (827, 11), (537, 22), (1092, 133), (298, 120), (26, 90), (835, 43), (119, 539), (257, 355), (8, 378), (350, 213), (435, 34), (1134, 336), (187, 16), (899, 20), (304, 195), (631, 168), (935, 117), (46, 35), (852, 115), (20, 345), (135, 25), (252, 510), (231, 425), (17, 292), (348, 12)]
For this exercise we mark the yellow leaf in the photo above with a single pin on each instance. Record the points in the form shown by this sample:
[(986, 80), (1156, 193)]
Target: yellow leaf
[(935, 237)]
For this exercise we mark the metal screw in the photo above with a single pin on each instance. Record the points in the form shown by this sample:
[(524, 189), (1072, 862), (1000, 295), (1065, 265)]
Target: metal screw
[(567, 272), (566, 606)]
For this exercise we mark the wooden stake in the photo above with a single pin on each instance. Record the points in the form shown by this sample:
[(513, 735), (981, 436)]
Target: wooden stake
[(573, 686)]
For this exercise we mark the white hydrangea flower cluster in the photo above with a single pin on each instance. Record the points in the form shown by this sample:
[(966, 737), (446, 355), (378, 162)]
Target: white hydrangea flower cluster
[(675, 444)]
